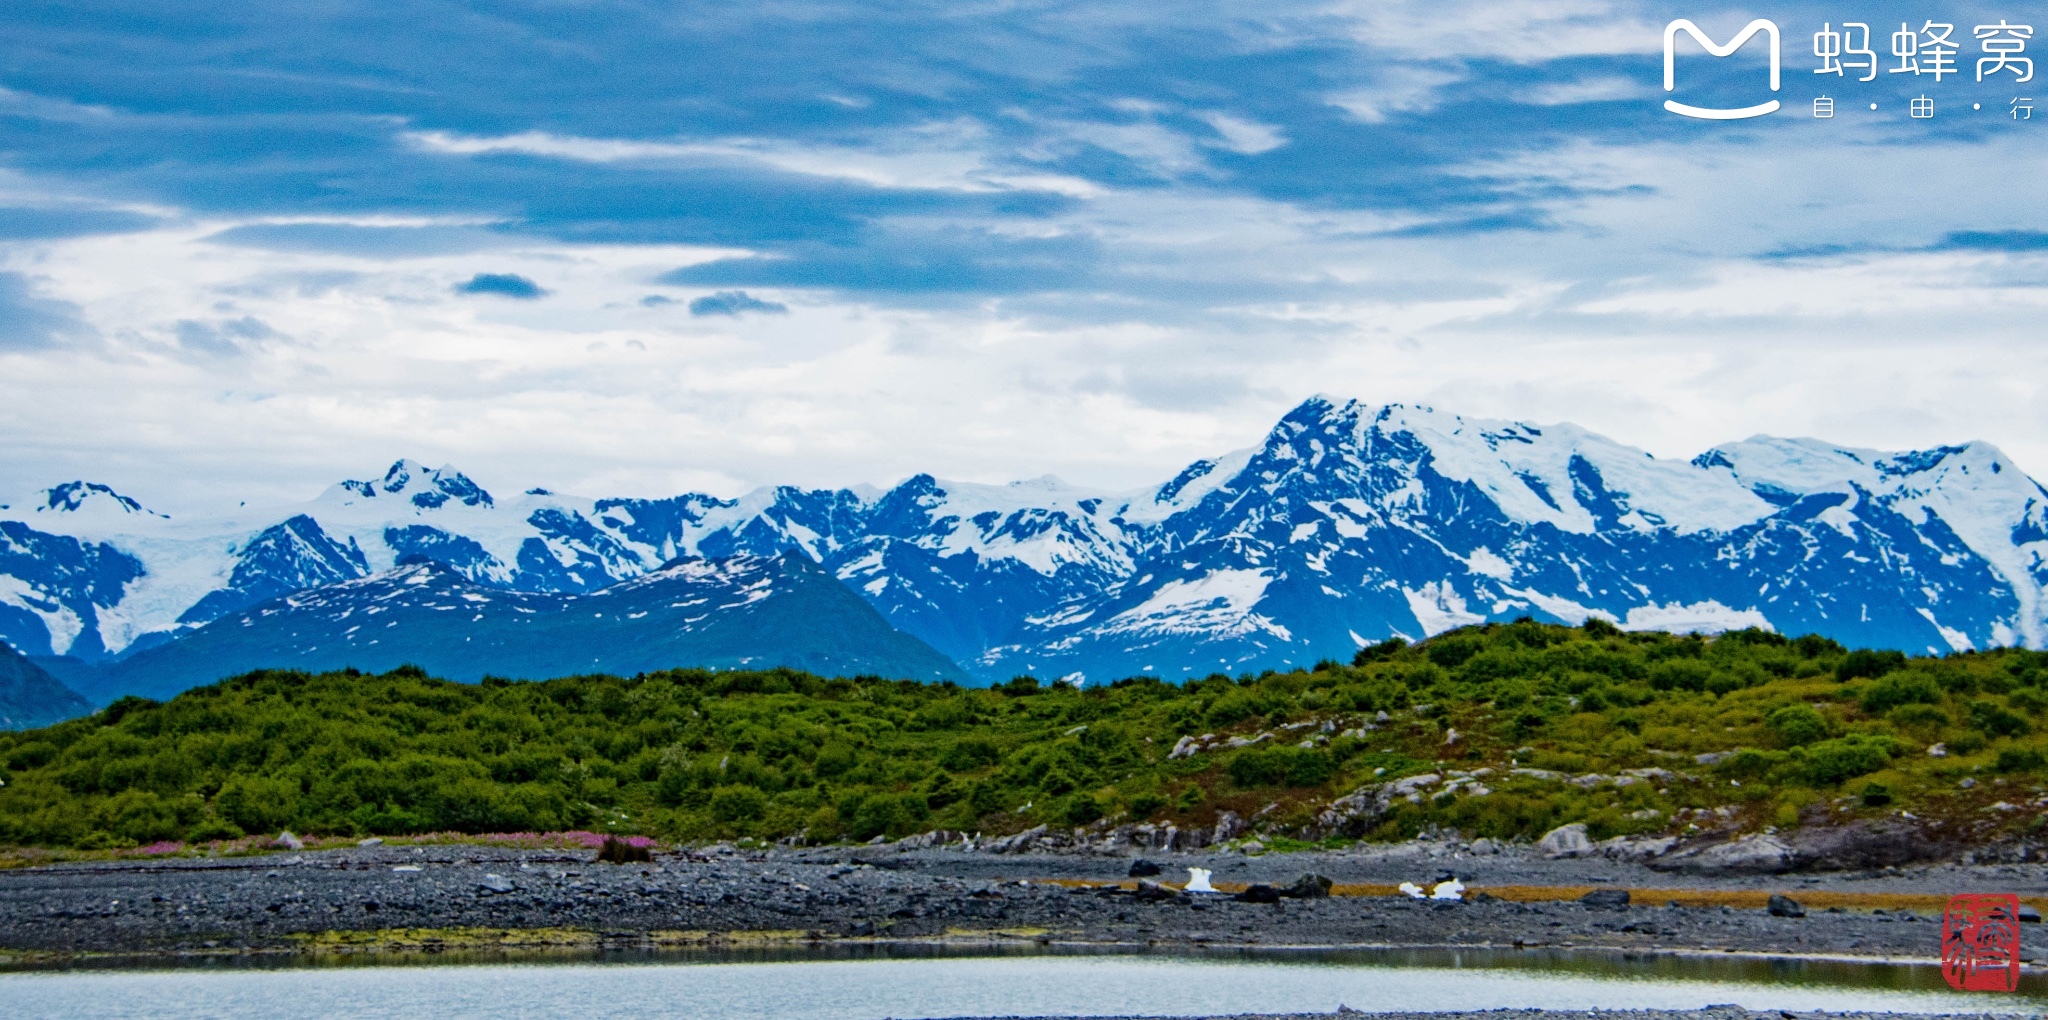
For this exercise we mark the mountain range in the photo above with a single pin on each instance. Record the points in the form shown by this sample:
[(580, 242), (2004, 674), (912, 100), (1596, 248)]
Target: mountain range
[(734, 613), (1349, 523)]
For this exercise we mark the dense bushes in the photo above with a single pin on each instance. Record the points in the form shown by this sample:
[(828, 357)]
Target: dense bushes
[(777, 753)]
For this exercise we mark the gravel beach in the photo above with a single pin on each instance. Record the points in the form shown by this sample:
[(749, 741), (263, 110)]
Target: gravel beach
[(380, 898), (1710, 1013)]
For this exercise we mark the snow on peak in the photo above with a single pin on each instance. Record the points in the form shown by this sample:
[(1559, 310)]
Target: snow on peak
[(426, 488), (90, 498), (1562, 475)]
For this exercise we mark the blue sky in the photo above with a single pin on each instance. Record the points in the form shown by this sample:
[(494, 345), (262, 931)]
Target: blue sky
[(241, 245)]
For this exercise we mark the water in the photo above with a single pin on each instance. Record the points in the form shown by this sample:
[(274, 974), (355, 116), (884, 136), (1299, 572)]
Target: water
[(919, 985)]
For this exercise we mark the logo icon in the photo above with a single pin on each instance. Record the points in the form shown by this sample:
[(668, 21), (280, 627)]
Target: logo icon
[(1671, 31), (1980, 943)]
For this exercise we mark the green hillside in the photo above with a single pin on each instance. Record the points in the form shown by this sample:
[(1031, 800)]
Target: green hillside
[(1818, 733)]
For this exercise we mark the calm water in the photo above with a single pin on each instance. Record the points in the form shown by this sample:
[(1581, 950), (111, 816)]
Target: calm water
[(908, 986)]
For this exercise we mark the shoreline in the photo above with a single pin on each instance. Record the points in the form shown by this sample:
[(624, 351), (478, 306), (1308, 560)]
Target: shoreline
[(460, 947), (393, 900)]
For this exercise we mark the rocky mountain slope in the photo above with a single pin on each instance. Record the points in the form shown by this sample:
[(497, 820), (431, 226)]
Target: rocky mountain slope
[(31, 697), (1349, 523)]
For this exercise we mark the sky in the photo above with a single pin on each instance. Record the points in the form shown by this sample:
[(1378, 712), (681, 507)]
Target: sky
[(627, 248)]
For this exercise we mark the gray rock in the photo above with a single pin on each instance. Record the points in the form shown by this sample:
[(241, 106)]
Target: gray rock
[(1310, 886), (1228, 827), (1865, 844), (1019, 842), (1153, 892), (1629, 848), (286, 841), (1782, 905), (1606, 898), (2029, 915), (1750, 854), (1565, 841), (1142, 868), (495, 884)]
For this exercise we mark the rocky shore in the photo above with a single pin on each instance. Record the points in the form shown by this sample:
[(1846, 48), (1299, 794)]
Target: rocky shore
[(1709, 1013), (389, 896)]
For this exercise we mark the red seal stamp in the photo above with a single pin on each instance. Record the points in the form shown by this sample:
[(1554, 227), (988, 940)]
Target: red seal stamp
[(1980, 943)]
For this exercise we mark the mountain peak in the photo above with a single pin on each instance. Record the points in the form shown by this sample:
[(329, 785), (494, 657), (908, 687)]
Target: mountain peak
[(424, 487), (90, 497)]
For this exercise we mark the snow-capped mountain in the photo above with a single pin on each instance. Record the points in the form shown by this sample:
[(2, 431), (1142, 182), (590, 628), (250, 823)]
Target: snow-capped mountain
[(1349, 523)]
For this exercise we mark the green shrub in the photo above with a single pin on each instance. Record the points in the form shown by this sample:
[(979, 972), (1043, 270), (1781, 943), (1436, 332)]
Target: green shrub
[(1080, 809), (258, 803), (1147, 804), (1797, 724), (1281, 766), (887, 814), (1233, 707), (211, 828), (1871, 662), (1991, 718), (1681, 675), (738, 804), (967, 754), (1749, 763), (2020, 759), (1918, 717), (1895, 689), (1832, 761)]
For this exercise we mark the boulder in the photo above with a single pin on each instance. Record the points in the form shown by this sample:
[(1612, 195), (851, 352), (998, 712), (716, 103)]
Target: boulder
[(1260, 893), (1781, 905), (1017, 843), (1142, 868), (1565, 841), (1228, 827), (1630, 848), (495, 884), (1759, 854), (286, 841), (1152, 892), (1606, 898), (1310, 886), (618, 851), (2029, 915), (1864, 845)]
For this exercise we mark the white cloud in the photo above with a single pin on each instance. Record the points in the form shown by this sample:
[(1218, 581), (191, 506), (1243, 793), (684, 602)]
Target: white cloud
[(947, 156), (1397, 88), (1243, 136), (1526, 31), (1586, 90)]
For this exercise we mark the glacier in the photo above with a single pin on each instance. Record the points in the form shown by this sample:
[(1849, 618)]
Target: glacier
[(1349, 523)]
